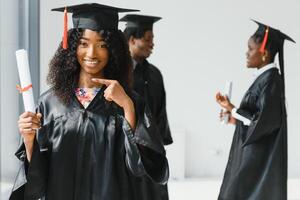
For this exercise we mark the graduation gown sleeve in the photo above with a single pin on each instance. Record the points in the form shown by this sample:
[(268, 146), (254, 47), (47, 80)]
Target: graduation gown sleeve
[(145, 153), (162, 119), (32, 175), (267, 119), (148, 83)]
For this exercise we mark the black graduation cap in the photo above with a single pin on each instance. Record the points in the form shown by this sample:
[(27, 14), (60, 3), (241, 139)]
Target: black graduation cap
[(92, 16), (271, 35), (140, 21), (275, 39)]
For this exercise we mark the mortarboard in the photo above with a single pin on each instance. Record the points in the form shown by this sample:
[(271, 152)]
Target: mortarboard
[(273, 38), (140, 21), (92, 16), (271, 35)]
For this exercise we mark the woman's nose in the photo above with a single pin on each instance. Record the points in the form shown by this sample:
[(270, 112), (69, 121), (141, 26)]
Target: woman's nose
[(91, 52)]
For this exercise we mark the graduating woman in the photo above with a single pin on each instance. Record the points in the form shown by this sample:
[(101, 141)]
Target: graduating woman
[(93, 133), (257, 164)]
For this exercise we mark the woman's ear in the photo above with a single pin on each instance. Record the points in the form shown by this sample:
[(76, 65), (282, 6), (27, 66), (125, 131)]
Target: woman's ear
[(266, 56), (266, 53)]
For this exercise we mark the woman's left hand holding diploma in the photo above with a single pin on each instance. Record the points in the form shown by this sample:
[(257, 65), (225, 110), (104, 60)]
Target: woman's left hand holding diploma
[(28, 123)]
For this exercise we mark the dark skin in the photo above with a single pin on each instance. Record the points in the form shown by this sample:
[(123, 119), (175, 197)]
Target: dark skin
[(255, 59), (141, 48)]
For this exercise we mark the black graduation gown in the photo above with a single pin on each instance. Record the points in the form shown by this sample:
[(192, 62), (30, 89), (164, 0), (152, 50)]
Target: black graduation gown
[(148, 83), (257, 165), (89, 154)]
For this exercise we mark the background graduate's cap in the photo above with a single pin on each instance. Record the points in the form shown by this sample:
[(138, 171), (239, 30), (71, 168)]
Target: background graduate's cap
[(92, 16), (140, 21), (271, 35), (273, 39)]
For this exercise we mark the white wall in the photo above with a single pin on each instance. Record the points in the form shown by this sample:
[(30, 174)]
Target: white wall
[(9, 97), (199, 45)]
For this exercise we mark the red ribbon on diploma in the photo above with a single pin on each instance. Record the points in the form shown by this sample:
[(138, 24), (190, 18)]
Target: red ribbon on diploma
[(24, 89)]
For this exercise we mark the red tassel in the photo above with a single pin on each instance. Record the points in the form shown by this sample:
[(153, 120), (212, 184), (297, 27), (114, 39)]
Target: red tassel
[(65, 38), (263, 45)]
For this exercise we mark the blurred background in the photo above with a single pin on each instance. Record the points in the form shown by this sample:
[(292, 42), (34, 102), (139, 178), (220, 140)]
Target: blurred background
[(198, 46)]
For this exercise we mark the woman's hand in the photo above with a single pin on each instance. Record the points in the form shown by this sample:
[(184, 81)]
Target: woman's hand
[(231, 120), (115, 92), (224, 101), (28, 123)]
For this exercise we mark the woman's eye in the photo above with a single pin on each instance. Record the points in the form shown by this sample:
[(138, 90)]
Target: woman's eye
[(83, 44), (102, 45)]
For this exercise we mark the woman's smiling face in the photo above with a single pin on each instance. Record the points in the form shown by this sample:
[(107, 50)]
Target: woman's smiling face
[(92, 53)]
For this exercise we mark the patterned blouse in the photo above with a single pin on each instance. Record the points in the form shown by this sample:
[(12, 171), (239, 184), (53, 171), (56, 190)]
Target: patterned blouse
[(86, 95)]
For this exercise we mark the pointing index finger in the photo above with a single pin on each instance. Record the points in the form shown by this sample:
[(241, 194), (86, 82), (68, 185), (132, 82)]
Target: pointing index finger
[(106, 82)]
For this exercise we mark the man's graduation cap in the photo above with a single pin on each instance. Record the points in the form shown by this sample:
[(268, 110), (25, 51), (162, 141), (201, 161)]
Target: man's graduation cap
[(92, 16), (140, 21), (274, 39)]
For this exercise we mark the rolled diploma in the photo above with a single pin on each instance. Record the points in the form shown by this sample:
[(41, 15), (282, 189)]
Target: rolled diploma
[(25, 79), (227, 92)]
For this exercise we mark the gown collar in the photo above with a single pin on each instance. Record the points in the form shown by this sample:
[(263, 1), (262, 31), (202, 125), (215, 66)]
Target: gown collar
[(258, 72), (136, 63)]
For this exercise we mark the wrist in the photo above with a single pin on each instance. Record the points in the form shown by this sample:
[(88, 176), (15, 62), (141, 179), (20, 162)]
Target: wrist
[(28, 141), (129, 114), (128, 104), (230, 107)]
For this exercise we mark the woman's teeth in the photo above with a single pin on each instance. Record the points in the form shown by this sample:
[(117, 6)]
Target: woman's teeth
[(91, 62)]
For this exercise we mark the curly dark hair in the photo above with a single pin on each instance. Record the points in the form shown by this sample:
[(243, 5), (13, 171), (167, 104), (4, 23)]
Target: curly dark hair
[(64, 68)]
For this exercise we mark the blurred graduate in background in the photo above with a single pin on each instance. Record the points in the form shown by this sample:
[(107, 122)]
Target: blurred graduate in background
[(257, 164), (148, 82)]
